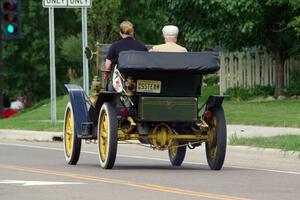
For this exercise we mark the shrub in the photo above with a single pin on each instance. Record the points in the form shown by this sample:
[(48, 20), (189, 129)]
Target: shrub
[(211, 79), (294, 86), (238, 93)]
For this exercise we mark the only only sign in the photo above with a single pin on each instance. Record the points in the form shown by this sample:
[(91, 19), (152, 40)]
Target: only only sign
[(67, 3)]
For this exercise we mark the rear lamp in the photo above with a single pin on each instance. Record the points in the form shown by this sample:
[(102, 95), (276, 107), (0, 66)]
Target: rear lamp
[(131, 86), (207, 114), (123, 112)]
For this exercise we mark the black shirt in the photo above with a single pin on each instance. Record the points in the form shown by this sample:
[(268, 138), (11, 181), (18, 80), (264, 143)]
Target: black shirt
[(124, 44)]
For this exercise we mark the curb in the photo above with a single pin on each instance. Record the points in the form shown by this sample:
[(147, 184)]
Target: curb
[(238, 130), (30, 135)]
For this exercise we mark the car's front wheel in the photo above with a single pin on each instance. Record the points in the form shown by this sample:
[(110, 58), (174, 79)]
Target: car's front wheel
[(72, 144), (107, 135)]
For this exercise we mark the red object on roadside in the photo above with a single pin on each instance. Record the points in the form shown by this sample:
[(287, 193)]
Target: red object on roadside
[(9, 112)]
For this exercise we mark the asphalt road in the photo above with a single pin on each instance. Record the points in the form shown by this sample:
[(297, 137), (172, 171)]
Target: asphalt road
[(144, 174)]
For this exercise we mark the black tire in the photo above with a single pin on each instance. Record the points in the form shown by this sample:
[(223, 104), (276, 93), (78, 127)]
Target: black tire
[(177, 155), (216, 146), (72, 144), (107, 134)]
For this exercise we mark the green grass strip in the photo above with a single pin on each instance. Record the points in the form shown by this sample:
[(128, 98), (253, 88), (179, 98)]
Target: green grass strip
[(283, 142)]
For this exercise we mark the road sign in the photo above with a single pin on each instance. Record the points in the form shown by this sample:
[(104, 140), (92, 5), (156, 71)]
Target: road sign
[(67, 3)]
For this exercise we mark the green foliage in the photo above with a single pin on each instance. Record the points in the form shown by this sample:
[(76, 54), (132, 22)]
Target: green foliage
[(211, 79), (207, 91), (294, 85), (238, 93), (148, 19), (103, 20), (235, 24), (26, 61), (105, 16), (78, 81), (70, 48), (72, 54)]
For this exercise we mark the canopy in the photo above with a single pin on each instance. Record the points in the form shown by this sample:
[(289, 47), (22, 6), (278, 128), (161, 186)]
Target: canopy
[(191, 62)]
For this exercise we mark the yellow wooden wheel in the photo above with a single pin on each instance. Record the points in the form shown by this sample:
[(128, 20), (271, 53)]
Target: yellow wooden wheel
[(217, 140), (107, 135), (103, 136), (72, 144), (176, 154)]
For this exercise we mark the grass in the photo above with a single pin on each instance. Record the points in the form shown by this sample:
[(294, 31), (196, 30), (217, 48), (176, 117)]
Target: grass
[(283, 142), (285, 113), (37, 118)]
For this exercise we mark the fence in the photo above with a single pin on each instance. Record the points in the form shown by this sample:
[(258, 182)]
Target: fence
[(250, 69)]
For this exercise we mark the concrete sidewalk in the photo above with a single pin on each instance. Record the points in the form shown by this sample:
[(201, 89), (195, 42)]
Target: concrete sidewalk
[(265, 131), (11, 134), (239, 130)]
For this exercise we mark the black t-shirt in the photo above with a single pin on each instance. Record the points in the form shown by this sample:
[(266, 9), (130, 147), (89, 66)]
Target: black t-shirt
[(124, 44)]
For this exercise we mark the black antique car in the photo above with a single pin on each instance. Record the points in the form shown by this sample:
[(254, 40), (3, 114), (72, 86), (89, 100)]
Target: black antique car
[(153, 98)]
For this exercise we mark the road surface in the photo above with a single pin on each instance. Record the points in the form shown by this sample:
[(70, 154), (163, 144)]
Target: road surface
[(37, 170)]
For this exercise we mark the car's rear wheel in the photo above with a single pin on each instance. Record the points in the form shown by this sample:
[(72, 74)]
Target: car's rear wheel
[(107, 135), (217, 140), (176, 154), (72, 144)]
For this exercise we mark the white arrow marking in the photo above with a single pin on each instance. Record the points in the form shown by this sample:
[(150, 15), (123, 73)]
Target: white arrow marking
[(37, 183)]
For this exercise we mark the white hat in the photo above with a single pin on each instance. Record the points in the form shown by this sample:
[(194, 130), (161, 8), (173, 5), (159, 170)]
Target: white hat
[(170, 30)]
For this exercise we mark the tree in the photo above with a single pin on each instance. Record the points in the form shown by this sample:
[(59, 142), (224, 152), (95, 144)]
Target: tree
[(237, 24), (148, 19), (103, 20), (105, 16), (26, 61)]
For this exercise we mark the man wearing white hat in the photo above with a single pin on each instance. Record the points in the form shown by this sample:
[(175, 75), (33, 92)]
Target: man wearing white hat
[(170, 34)]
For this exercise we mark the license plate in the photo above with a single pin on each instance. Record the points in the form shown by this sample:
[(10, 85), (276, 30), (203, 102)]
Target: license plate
[(148, 86)]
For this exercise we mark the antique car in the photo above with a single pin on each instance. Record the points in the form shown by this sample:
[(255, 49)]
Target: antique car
[(153, 98)]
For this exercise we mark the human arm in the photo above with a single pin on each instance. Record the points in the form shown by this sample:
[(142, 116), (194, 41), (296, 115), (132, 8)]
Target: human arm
[(111, 55), (107, 68)]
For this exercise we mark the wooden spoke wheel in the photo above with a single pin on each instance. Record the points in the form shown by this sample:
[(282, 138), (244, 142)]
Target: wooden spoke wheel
[(72, 144), (176, 154), (217, 140), (107, 135)]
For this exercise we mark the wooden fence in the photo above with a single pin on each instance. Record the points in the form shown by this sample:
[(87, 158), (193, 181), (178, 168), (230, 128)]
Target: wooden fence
[(250, 69)]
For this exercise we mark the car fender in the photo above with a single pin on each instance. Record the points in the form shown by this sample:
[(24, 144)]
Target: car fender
[(214, 101), (81, 106)]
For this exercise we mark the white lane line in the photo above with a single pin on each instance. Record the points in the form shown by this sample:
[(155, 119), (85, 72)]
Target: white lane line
[(37, 183), (156, 159)]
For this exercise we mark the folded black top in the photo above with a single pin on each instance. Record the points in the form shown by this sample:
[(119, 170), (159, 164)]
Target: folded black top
[(190, 62)]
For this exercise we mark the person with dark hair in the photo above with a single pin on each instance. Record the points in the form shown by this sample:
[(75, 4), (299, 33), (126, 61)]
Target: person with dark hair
[(126, 43)]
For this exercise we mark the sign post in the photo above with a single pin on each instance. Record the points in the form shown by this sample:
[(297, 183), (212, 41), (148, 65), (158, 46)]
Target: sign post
[(84, 44), (51, 4), (52, 66)]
